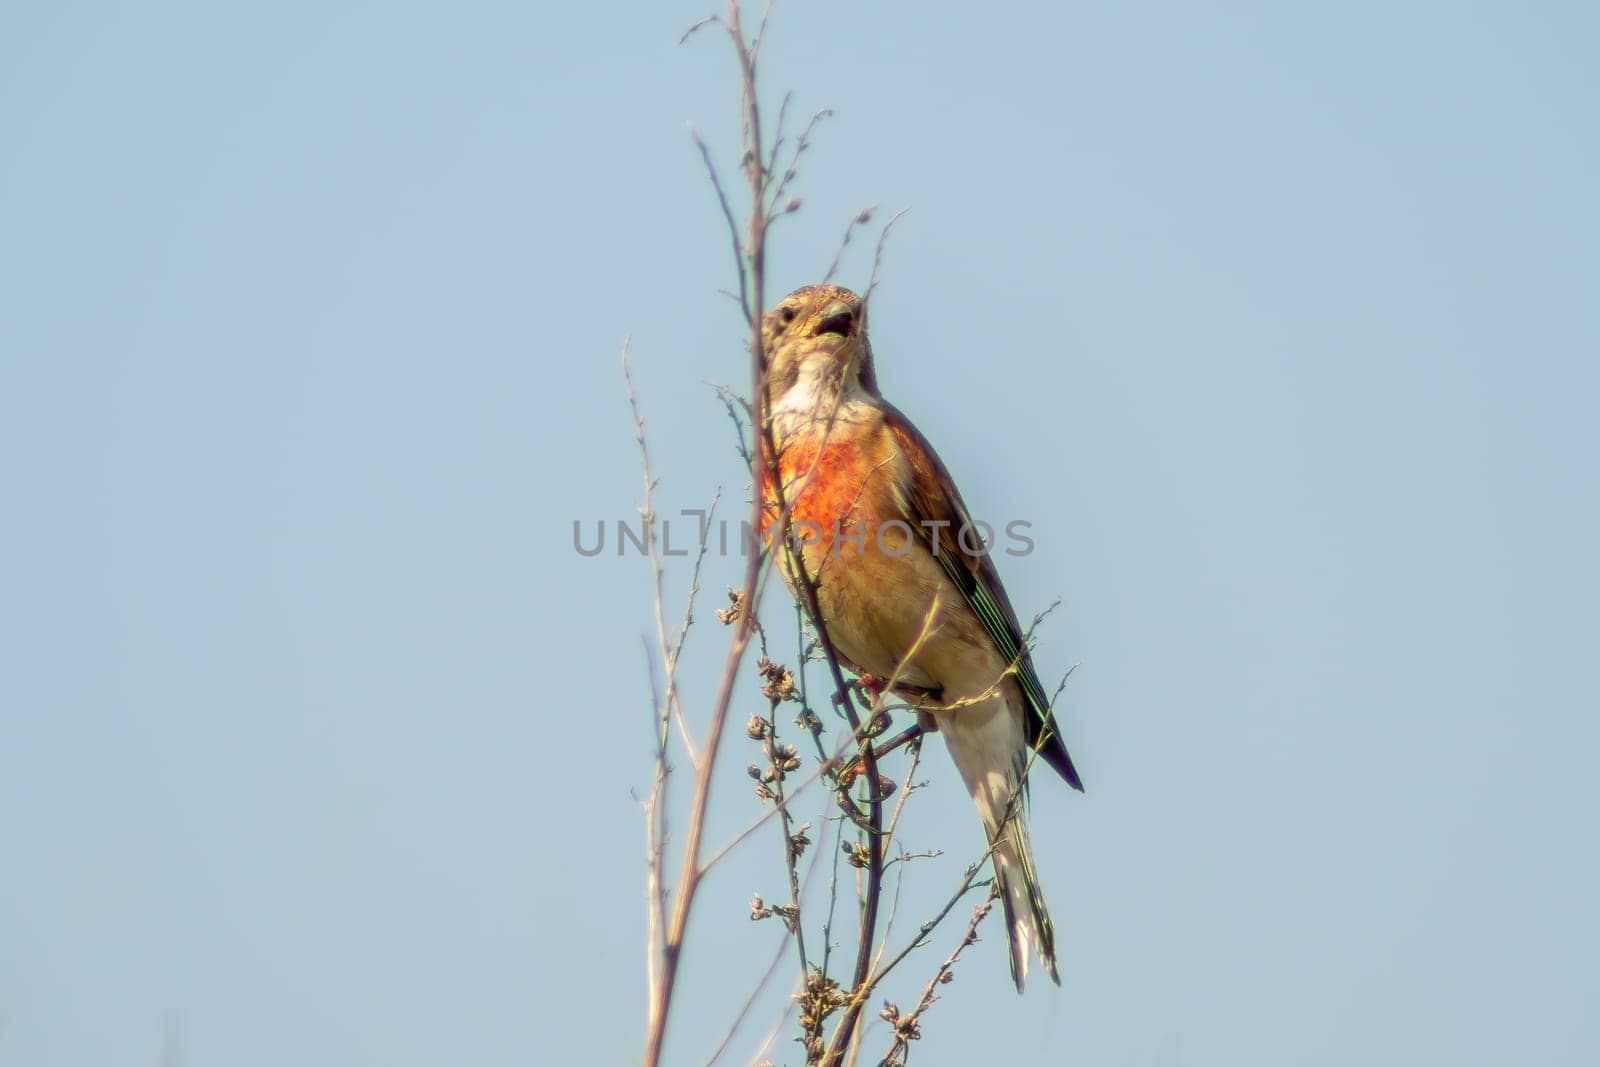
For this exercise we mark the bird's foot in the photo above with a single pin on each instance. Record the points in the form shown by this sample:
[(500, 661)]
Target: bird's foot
[(872, 687), (851, 771)]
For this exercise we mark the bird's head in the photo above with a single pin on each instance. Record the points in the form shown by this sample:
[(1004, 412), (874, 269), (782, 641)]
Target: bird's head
[(816, 344)]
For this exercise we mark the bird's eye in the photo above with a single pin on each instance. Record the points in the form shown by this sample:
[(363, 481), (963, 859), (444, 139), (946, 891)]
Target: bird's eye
[(786, 315)]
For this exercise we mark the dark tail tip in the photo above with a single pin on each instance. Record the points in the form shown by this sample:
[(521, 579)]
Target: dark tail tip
[(1056, 756)]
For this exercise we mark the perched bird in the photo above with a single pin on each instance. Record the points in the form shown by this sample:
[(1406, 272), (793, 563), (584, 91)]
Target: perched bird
[(907, 591)]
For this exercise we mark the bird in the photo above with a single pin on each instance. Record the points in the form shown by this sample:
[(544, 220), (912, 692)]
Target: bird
[(907, 592)]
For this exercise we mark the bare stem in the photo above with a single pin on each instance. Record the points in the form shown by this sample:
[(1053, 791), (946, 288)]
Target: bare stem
[(907, 1028), (752, 266)]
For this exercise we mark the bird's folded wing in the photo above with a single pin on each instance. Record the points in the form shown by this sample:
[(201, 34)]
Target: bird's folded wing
[(934, 508)]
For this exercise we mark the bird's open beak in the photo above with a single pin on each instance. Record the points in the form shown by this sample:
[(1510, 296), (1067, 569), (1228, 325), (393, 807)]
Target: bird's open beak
[(838, 317)]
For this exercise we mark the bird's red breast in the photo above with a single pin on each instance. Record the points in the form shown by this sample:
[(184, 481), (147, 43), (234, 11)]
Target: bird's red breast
[(835, 482)]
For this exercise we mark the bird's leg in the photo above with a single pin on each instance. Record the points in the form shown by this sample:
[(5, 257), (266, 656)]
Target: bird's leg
[(872, 688), (910, 735)]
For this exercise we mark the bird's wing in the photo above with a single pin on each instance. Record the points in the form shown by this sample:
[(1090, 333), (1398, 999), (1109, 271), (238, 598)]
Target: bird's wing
[(931, 496)]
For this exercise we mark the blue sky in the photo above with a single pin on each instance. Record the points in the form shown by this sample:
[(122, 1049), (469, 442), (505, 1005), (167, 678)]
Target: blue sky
[(1275, 320)]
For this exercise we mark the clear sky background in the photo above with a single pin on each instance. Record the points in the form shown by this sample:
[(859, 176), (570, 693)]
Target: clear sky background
[(1276, 319)]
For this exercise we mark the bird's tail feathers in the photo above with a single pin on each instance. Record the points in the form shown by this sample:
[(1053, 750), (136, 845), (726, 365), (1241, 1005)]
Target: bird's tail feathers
[(991, 756), (1028, 925)]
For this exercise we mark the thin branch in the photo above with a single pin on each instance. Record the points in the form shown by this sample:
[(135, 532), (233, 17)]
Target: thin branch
[(701, 24), (777, 756), (777, 137), (727, 213), (877, 255), (760, 987), (780, 807), (860, 218), (655, 823), (669, 649), (906, 1027), (791, 171)]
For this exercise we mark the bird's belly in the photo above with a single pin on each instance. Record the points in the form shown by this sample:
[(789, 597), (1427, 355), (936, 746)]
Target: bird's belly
[(880, 612), (899, 617)]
